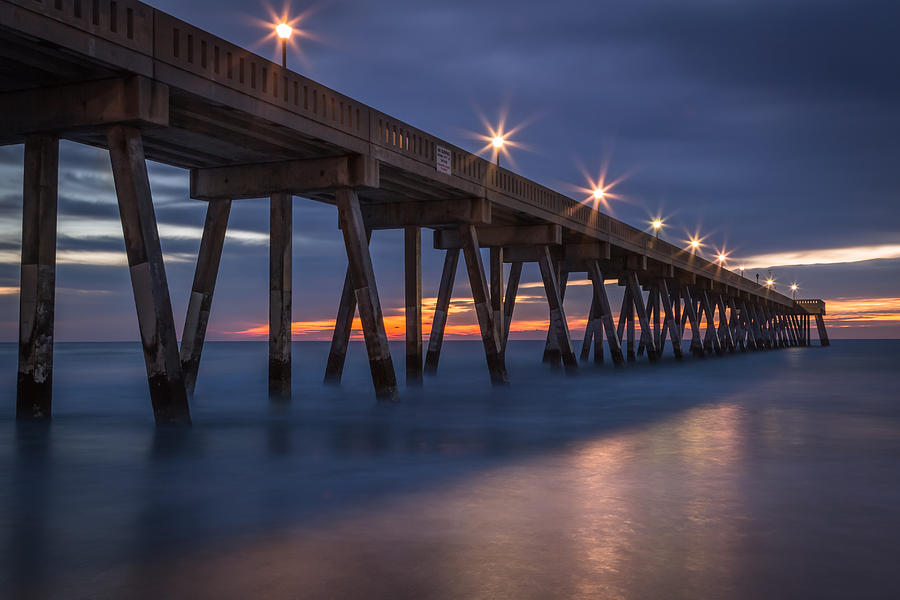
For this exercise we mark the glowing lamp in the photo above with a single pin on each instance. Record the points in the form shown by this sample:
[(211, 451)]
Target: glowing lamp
[(284, 31), (497, 142), (599, 194), (695, 244), (656, 224)]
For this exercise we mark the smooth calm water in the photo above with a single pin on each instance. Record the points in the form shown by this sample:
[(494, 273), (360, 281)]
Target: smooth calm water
[(760, 475)]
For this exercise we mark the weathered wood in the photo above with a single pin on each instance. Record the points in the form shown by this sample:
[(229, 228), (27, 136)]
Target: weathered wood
[(291, 177), (480, 294), (148, 276), (362, 275), (431, 213), (496, 272), (712, 336), (509, 303), (666, 300), (613, 337), (638, 303), (343, 327), (558, 322), (280, 284), (588, 332), (413, 289), (74, 107), (724, 327), (494, 237), (200, 302), (441, 309), (37, 292), (690, 308), (551, 349)]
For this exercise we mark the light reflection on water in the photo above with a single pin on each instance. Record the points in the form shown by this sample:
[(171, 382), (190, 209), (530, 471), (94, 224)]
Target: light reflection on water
[(781, 483)]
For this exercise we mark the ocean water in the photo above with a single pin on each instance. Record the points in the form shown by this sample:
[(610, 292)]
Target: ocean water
[(772, 474)]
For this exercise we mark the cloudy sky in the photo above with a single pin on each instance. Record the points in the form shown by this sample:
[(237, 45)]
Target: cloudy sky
[(770, 127)]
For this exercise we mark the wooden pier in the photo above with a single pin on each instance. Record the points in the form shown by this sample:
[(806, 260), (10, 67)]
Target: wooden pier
[(125, 77)]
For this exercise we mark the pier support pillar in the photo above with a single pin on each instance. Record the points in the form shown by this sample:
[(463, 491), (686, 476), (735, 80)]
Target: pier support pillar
[(509, 303), (148, 276), (690, 309), (441, 309), (496, 273), (823, 335), (552, 354), (671, 320), (604, 313), (412, 249), (280, 267), (343, 326), (480, 295), (200, 302), (637, 301), (363, 279), (558, 324), (34, 383)]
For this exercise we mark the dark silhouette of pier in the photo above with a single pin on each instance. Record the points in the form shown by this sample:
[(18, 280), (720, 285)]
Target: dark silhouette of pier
[(125, 77)]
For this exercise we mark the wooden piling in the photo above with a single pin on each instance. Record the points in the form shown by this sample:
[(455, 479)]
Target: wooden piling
[(509, 303), (690, 309), (588, 332), (343, 327), (613, 337), (362, 275), (413, 291), (148, 276), (441, 309), (552, 354), (496, 273), (712, 336), (280, 267), (558, 323), (638, 304), (480, 294), (200, 302), (37, 292), (671, 319)]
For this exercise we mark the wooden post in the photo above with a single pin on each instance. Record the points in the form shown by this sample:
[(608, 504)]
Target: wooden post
[(551, 349), (413, 289), (651, 305), (638, 303), (343, 327), (712, 336), (629, 320), (613, 337), (480, 294), (200, 302), (671, 319), (496, 271), (690, 308), (509, 303), (280, 249), (657, 333), (724, 327), (362, 275), (588, 332), (558, 322), (438, 323), (37, 292), (148, 276)]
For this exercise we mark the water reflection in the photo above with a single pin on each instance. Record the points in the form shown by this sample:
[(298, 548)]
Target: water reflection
[(603, 491)]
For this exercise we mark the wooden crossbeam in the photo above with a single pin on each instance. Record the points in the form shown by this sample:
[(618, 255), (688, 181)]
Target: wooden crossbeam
[(558, 325), (613, 337), (72, 108), (638, 303), (427, 213), (505, 236), (509, 303), (295, 177)]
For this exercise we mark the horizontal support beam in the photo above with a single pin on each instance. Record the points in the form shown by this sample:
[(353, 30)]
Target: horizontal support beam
[(296, 177), (501, 237), (588, 251), (76, 107), (427, 213)]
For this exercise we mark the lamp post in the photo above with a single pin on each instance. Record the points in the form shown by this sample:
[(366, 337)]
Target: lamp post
[(741, 269), (794, 288), (657, 225), (497, 143), (284, 31)]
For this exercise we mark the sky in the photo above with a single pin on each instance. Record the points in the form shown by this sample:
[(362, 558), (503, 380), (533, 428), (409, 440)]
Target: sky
[(771, 128)]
